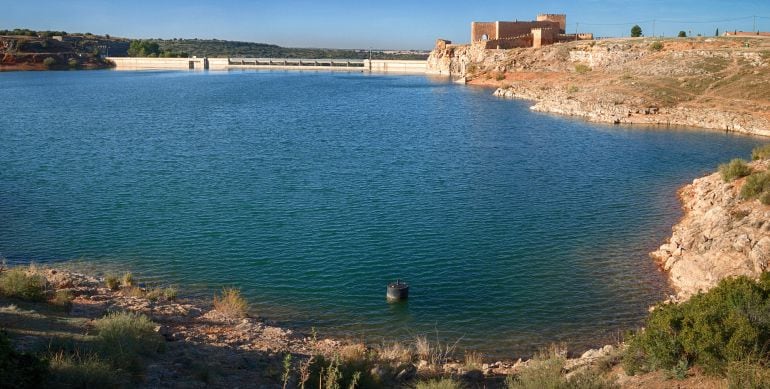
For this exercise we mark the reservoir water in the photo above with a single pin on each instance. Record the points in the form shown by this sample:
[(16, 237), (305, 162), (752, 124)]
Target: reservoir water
[(311, 191)]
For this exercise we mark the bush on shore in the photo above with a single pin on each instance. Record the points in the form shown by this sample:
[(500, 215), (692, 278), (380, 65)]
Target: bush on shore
[(128, 280), (761, 152), (756, 185), (729, 324), (18, 284), (736, 168), (112, 282), (49, 62), (125, 337), (231, 304)]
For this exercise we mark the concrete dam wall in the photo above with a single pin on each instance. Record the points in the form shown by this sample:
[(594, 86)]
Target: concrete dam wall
[(375, 66)]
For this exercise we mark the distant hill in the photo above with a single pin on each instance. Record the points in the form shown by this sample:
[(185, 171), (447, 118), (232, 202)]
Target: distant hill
[(223, 48), (23, 49)]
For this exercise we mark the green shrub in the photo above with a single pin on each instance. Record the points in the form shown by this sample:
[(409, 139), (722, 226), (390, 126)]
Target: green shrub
[(755, 185), (728, 324), (539, 374), (444, 383), (72, 62), (19, 370), (546, 370), (656, 46), (49, 61), (761, 152), (748, 375), (17, 283), (737, 168), (124, 338), (582, 68), (112, 282), (170, 293), (230, 303), (73, 370)]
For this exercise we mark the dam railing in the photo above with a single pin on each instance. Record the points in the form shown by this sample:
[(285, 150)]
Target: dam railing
[(322, 62)]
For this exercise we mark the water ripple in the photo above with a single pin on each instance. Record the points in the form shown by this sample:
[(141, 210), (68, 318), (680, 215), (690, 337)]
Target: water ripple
[(312, 191)]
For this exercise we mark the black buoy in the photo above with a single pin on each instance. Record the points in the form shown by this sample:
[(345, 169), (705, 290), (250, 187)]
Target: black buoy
[(398, 291)]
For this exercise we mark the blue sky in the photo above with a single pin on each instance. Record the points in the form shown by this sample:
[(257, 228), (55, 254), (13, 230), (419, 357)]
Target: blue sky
[(394, 24)]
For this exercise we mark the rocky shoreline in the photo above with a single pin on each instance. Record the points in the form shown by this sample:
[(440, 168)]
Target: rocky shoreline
[(249, 351), (710, 83), (559, 101), (720, 235)]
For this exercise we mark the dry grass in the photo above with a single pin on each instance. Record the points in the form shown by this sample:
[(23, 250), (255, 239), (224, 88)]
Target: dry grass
[(422, 347), (231, 304), (134, 291), (473, 360), (395, 352), (128, 280), (435, 353), (82, 371), (63, 298), (444, 383), (353, 352)]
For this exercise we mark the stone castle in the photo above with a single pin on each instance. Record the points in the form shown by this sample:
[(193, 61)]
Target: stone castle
[(546, 30)]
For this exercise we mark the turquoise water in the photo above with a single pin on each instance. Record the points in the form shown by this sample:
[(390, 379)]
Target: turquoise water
[(311, 191)]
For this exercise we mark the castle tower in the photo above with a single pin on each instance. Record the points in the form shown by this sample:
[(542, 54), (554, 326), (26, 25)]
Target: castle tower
[(558, 18)]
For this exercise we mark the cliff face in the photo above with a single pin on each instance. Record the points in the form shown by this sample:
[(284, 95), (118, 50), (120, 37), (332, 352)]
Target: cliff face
[(717, 83), (720, 236), (460, 60)]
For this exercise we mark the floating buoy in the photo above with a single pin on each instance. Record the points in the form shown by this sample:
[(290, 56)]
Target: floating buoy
[(398, 290)]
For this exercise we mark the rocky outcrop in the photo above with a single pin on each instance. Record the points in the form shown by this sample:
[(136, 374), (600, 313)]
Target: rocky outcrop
[(460, 60), (607, 109), (708, 83), (720, 236)]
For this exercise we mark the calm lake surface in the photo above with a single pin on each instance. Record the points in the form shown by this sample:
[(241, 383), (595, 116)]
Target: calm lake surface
[(310, 191)]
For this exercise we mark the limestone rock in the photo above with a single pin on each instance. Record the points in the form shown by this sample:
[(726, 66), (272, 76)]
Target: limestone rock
[(720, 236)]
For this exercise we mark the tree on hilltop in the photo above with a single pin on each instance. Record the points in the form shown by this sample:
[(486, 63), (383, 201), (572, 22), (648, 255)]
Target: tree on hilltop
[(682, 34), (142, 48), (636, 31)]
